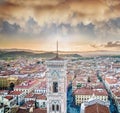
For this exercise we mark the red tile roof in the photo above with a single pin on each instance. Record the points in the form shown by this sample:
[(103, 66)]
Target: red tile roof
[(37, 96), (9, 97), (38, 110), (22, 111), (117, 93), (111, 80), (15, 92), (97, 108), (27, 84), (87, 91), (42, 97), (28, 104), (42, 85)]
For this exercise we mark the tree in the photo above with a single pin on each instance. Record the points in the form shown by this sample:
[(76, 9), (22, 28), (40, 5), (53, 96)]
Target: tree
[(79, 85), (11, 87)]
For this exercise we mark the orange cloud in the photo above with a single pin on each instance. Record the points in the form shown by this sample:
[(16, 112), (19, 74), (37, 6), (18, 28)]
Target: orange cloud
[(47, 13), (60, 11)]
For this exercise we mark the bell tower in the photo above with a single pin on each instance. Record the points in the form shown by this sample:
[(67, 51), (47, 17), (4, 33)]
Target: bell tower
[(56, 85)]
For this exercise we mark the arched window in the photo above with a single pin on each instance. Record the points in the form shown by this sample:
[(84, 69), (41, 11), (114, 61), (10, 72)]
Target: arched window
[(57, 108), (55, 74), (53, 107), (55, 87)]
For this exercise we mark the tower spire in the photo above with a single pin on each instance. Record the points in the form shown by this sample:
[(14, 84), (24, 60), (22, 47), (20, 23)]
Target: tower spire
[(57, 50)]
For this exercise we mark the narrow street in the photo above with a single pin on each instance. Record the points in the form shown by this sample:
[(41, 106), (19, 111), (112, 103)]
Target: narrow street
[(71, 107), (113, 108)]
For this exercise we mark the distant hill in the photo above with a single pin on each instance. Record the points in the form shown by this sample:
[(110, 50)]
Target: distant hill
[(70, 55), (16, 54)]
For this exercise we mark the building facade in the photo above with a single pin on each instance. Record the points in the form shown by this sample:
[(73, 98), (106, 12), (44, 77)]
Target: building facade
[(84, 94), (56, 86)]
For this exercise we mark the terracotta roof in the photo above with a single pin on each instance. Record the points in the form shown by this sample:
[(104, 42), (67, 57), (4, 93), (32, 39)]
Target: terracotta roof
[(117, 93), (37, 96), (111, 80), (87, 91), (27, 84), (99, 86), (22, 111), (15, 92), (42, 97), (38, 110), (30, 95), (28, 104), (97, 108), (42, 85), (9, 97)]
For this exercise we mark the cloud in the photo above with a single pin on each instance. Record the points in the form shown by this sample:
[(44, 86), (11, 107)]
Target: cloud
[(109, 45), (94, 45), (2, 1), (60, 11), (35, 2), (7, 28), (109, 30), (77, 11), (31, 27), (90, 20), (115, 44)]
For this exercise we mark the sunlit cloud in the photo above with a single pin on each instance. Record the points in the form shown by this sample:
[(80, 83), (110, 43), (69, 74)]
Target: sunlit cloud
[(78, 24)]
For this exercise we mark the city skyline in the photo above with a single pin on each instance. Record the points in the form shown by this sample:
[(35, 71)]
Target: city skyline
[(78, 25)]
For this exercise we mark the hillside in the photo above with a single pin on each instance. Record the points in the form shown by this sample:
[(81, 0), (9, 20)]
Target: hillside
[(15, 54)]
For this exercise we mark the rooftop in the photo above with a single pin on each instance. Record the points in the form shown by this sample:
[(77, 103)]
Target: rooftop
[(37, 96), (87, 91), (111, 80), (15, 92), (38, 110), (27, 84), (97, 108), (9, 97)]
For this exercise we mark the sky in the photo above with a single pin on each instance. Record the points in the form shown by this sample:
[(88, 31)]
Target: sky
[(78, 25)]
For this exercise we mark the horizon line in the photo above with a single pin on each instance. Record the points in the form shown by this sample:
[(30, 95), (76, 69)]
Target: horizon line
[(19, 49)]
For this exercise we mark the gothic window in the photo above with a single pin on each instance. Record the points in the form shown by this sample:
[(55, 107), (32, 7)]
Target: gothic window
[(55, 74), (55, 87), (57, 107), (53, 107)]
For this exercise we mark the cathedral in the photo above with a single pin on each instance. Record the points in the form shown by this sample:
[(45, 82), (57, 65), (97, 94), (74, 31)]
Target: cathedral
[(56, 85)]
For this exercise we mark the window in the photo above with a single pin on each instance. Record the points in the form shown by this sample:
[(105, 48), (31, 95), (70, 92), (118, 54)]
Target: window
[(55, 87), (57, 107), (53, 107), (43, 104)]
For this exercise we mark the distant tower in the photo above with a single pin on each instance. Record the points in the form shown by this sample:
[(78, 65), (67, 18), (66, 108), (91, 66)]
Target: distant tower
[(56, 85)]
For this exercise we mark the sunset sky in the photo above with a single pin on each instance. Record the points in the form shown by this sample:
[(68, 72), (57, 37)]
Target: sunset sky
[(78, 25)]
